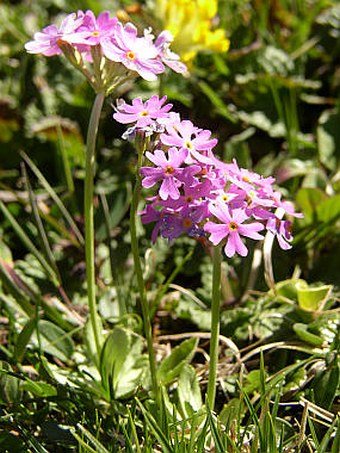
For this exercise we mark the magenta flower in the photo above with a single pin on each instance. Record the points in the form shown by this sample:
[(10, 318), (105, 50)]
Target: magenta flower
[(142, 113), (231, 229), (47, 42), (93, 30), (186, 136), (137, 54), (246, 179), (185, 220), (168, 171), (282, 230), (168, 57)]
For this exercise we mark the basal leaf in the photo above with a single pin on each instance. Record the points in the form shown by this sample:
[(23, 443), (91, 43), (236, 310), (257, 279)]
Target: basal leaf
[(171, 366), (53, 340), (122, 363)]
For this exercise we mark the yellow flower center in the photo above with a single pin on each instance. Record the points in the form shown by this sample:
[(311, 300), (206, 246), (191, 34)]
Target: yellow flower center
[(188, 145), (130, 55), (144, 113), (95, 33), (169, 170), (233, 226)]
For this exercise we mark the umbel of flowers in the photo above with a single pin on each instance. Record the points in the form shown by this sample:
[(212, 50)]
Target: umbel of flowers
[(106, 51), (196, 193)]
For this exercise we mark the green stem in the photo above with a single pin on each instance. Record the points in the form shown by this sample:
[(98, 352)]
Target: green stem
[(88, 214), (215, 327), (140, 279)]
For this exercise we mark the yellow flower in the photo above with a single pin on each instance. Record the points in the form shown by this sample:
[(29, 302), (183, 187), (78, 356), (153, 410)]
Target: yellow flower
[(191, 23)]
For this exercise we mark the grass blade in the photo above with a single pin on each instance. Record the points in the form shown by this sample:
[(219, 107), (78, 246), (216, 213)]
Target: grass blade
[(40, 227), (29, 244), (54, 197)]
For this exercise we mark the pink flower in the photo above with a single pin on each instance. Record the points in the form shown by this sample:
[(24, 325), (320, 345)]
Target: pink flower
[(168, 171), (231, 229), (48, 40), (282, 230), (137, 54), (93, 30), (142, 113), (171, 59), (196, 141)]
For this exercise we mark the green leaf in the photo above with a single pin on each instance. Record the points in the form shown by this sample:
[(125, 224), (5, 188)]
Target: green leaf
[(171, 366), (89, 339), (54, 197), (29, 244), (39, 389), (99, 448), (122, 363), (23, 339), (328, 137), (189, 392), (216, 100), (10, 390), (328, 211), (326, 384), (303, 333), (53, 340), (288, 288), (312, 298), (308, 200)]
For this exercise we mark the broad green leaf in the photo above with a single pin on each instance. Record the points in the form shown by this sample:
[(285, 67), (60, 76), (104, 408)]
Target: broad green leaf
[(308, 200), (328, 211), (189, 391), (10, 390), (288, 288), (312, 298), (39, 389), (53, 340), (171, 366), (122, 362)]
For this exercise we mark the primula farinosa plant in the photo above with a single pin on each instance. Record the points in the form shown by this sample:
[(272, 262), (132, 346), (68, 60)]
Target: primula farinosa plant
[(197, 194), (108, 53)]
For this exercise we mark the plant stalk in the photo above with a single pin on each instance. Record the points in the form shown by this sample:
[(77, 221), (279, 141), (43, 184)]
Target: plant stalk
[(139, 275), (215, 327), (89, 214)]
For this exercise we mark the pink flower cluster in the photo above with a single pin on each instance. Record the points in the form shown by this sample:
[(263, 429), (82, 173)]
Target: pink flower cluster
[(83, 37), (198, 194)]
